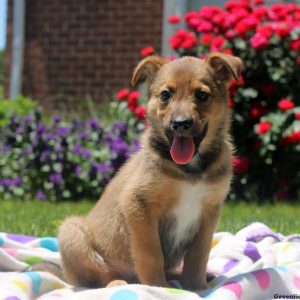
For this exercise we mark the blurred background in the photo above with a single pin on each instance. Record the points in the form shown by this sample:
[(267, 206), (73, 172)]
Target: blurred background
[(69, 117)]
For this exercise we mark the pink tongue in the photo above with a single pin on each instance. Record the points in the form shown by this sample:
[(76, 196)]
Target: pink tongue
[(182, 150)]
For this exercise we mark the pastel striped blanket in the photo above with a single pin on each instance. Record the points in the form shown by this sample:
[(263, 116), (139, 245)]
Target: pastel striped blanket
[(255, 263)]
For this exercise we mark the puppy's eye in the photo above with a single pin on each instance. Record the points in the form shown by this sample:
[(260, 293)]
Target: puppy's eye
[(201, 95), (165, 95)]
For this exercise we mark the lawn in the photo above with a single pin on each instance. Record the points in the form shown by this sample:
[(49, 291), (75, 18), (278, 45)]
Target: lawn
[(42, 218)]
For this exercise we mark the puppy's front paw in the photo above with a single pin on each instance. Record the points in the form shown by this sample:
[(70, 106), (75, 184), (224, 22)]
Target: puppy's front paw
[(117, 283)]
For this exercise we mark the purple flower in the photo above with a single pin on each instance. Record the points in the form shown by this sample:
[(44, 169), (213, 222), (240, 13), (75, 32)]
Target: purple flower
[(40, 128), (76, 123), (27, 119), (86, 153), (48, 136), (5, 149), (6, 182), (55, 119), (19, 131), (45, 154), (118, 161), (84, 135), (40, 195), (135, 146), (78, 170), (17, 181), (103, 168), (13, 119), (55, 178), (119, 128), (76, 149), (94, 124), (117, 145), (58, 147), (63, 131)]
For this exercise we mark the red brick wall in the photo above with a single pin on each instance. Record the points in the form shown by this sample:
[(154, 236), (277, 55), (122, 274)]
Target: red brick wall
[(79, 47)]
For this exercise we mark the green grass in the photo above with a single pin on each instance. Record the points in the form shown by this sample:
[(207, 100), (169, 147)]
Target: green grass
[(42, 218), (35, 217), (280, 217)]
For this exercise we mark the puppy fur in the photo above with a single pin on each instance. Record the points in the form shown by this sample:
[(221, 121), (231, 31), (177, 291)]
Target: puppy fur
[(155, 213)]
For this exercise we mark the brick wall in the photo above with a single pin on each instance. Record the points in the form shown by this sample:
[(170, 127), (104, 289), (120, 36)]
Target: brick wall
[(76, 47)]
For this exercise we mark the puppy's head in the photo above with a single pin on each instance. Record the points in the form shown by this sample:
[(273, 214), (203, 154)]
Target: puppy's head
[(187, 99)]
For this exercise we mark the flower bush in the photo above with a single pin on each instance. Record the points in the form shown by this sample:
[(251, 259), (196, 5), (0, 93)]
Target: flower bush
[(59, 160), (74, 161), (266, 105)]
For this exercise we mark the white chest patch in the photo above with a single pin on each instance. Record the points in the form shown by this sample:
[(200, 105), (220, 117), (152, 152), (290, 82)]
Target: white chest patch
[(187, 212)]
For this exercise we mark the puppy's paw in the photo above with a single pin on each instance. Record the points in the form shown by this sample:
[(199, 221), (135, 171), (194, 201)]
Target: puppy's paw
[(117, 282)]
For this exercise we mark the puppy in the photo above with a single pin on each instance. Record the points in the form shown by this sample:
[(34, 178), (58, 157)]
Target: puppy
[(164, 203)]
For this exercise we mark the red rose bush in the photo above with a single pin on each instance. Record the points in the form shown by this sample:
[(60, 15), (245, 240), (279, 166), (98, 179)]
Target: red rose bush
[(266, 104)]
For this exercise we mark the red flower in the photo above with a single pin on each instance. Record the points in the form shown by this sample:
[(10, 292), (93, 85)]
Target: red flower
[(263, 127), (282, 30), (140, 112), (295, 45), (240, 164), (231, 103), (147, 51), (257, 111), (260, 12), (259, 2), (205, 26), (189, 42), (292, 138), (252, 21), (174, 19), (234, 85), (183, 39), (208, 12), (230, 34), (206, 39), (190, 15), (230, 5), (133, 100), (241, 28), (217, 43), (297, 115), (286, 104), (240, 13), (268, 89), (228, 51), (258, 41), (265, 31), (122, 94)]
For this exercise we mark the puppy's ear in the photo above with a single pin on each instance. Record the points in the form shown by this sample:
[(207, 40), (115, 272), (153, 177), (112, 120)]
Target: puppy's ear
[(147, 69), (227, 67)]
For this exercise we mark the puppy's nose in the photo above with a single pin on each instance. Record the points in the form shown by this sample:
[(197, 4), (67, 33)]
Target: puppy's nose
[(180, 124)]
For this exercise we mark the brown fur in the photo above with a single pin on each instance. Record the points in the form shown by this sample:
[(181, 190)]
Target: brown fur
[(120, 238)]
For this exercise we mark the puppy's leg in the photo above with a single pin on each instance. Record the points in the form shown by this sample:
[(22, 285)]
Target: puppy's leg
[(82, 264), (195, 260), (146, 249)]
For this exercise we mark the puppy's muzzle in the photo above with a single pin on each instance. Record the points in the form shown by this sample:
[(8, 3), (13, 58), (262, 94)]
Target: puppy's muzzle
[(180, 126)]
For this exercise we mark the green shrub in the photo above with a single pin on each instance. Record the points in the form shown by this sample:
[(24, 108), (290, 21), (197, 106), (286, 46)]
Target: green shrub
[(20, 106)]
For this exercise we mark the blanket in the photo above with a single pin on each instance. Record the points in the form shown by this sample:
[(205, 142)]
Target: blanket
[(255, 263)]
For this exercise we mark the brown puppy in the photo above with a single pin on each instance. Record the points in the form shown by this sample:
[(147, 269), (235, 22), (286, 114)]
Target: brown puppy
[(164, 203)]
